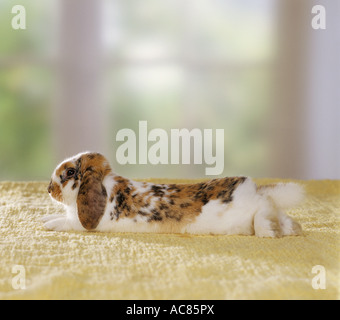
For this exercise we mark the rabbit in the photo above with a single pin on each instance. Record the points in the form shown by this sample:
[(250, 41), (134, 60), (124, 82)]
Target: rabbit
[(96, 199)]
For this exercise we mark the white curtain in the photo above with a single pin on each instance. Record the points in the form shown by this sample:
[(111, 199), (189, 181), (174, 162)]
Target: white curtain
[(79, 116), (306, 121)]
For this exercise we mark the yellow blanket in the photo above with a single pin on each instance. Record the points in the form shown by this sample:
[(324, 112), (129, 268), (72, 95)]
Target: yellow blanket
[(39, 264)]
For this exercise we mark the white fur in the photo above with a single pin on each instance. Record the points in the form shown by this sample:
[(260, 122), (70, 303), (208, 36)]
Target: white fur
[(64, 222), (285, 195), (127, 225), (250, 212), (235, 217)]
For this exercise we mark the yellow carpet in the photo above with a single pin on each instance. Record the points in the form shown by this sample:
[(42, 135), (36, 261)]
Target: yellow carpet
[(59, 265)]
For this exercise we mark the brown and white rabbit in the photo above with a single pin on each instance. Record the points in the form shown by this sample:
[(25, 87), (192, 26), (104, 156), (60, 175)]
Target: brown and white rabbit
[(97, 199)]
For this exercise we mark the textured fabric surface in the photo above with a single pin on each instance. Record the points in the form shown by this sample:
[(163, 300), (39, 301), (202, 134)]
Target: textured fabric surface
[(75, 265)]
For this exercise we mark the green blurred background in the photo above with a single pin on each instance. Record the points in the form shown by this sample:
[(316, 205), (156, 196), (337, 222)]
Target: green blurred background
[(82, 70)]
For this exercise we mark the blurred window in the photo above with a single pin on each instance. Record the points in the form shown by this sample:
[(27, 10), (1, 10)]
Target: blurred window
[(26, 81), (193, 64), (176, 64)]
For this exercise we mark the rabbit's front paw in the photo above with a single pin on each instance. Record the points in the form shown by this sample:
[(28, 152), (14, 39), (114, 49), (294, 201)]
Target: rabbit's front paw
[(56, 223), (50, 217)]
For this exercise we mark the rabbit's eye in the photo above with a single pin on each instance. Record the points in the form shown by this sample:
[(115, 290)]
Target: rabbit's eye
[(70, 172)]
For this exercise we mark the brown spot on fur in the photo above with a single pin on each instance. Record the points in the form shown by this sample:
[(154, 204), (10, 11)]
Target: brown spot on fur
[(55, 191), (185, 205)]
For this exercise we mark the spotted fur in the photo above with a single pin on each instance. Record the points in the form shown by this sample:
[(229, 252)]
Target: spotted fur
[(97, 199), (172, 202)]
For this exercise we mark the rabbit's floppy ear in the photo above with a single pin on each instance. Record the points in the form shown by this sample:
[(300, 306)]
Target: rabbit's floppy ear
[(92, 195)]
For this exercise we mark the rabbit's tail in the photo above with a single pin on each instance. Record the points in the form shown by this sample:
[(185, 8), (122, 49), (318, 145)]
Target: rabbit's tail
[(284, 195)]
